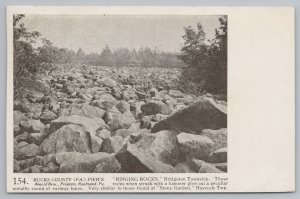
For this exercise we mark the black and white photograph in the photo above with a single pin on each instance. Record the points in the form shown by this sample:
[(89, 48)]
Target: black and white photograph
[(150, 99), (120, 93)]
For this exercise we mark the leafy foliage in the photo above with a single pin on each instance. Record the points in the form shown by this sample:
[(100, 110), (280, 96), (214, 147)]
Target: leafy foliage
[(25, 56), (206, 60)]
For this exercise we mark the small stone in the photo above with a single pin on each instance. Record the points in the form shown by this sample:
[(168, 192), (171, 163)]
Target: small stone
[(123, 106), (47, 117)]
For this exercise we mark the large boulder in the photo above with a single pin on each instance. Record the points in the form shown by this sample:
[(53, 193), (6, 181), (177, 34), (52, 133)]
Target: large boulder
[(151, 153), (117, 120), (135, 160), (25, 151), (154, 107), (204, 114), (108, 165), (68, 138), (112, 144), (88, 111), (91, 125), (74, 162), (164, 147), (194, 146), (218, 136), (105, 101)]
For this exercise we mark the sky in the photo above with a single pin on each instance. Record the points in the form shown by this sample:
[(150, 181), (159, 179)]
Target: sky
[(93, 32)]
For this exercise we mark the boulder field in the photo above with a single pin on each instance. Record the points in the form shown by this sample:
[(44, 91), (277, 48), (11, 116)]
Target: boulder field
[(108, 120)]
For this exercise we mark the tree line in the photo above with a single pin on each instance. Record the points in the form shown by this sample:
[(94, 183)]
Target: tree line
[(143, 57), (28, 58)]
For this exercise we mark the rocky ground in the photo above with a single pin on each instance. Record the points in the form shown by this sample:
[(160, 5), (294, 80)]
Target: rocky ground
[(104, 120)]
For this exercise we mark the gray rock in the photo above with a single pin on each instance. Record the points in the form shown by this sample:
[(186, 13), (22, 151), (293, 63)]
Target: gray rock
[(194, 146), (154, 107), (135, 160), (117, 120), (201, 115), (68, 138), (26, 170), (137, 112), (105, 101), (175, 93), (108, 165), (22, 144), (123, 132), (74, 162), (25, 125), (218, 136), (35, 96), (142, 96), (151, 153), (29, 150), (209, 168), (50, 167), (22, 105), (164, 147), (129, 94), (36, 169), (18, 117), (36, 138), (88, 111), (69, 88), (91, 125), (17, 166), (61, 95), (47, 116), (107, 82), (145, 122), (112, 144), (221, 166), (123, 106), (92, 111), (22, 137), (103, 134), (183, 168), (218, 156), (36, 110), (37, 126), (96, 143)]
